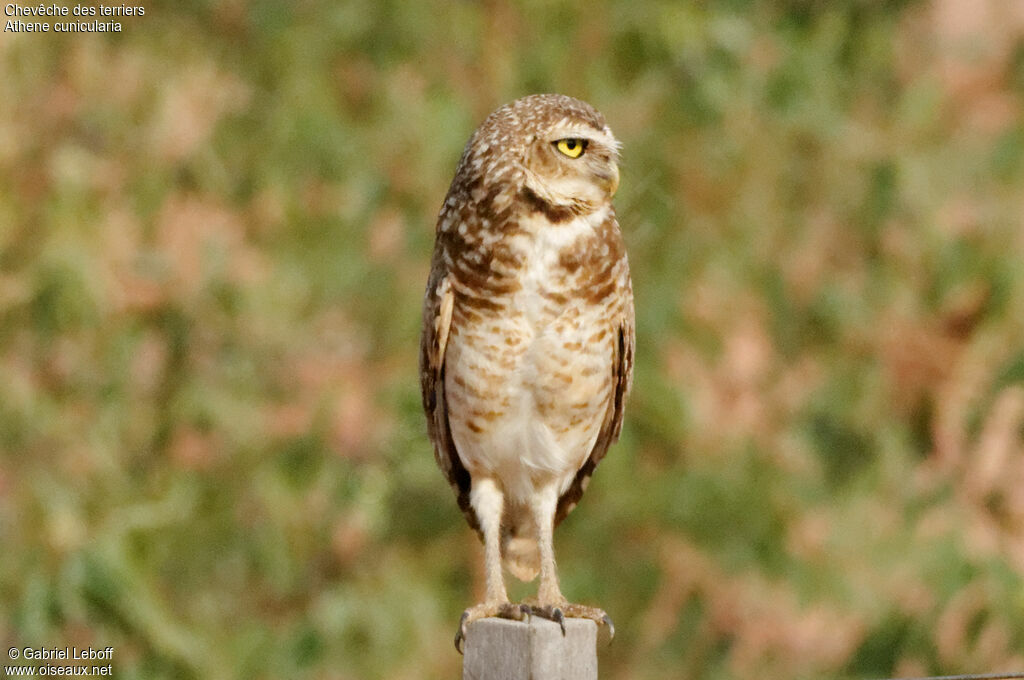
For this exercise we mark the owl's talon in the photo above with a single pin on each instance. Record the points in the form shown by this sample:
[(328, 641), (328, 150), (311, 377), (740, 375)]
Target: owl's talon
[(569, 610), (504, 610), (607, 621), (558, 617), (550, 612), (460, 634)]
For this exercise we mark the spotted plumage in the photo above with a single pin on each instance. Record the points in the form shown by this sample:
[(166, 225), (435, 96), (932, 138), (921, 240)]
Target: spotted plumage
[(527, 346)]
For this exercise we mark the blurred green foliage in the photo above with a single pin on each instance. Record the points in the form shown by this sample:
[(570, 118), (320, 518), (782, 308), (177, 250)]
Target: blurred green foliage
[(214, 232)]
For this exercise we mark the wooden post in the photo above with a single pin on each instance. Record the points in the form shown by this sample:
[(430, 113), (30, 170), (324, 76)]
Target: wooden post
[(500, 649)]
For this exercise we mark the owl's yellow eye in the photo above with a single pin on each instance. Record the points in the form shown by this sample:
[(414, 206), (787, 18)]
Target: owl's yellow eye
[(571, 146)]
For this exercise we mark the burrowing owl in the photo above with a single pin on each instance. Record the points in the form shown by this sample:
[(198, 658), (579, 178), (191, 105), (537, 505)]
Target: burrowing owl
[(527, 348)]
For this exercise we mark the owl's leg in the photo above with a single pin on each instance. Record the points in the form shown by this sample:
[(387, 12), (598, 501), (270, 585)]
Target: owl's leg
[(550, 603), (549, 594), (488, 503)]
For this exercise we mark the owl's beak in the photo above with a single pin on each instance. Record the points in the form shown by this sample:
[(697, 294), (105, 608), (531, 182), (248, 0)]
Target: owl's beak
[(611, 179)]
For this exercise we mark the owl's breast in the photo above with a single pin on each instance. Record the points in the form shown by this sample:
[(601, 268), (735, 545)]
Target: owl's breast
[(528, 363)]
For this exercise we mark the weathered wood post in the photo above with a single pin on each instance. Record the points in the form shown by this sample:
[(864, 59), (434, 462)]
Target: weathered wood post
[(500, 649)]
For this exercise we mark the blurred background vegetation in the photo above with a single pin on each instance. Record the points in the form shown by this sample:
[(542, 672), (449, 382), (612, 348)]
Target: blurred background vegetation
[(215, 228)]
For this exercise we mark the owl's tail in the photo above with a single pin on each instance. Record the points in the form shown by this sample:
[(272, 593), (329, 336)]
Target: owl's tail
[(521, 557), (520, 551)]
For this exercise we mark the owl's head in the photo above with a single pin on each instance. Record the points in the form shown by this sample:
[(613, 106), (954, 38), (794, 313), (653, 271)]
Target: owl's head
[(549, 148)]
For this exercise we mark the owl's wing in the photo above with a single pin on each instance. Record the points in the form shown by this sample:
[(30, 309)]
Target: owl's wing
[(438, 303), (622, 381)]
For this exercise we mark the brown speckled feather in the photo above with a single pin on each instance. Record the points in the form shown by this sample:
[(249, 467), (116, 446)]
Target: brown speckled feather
[(437, 318), (622, 379)]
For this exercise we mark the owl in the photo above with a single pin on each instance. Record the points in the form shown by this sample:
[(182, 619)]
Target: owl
[(526, 354)]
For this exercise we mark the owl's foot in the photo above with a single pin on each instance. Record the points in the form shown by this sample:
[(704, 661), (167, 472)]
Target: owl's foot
[(505, 610), (560, 612)]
